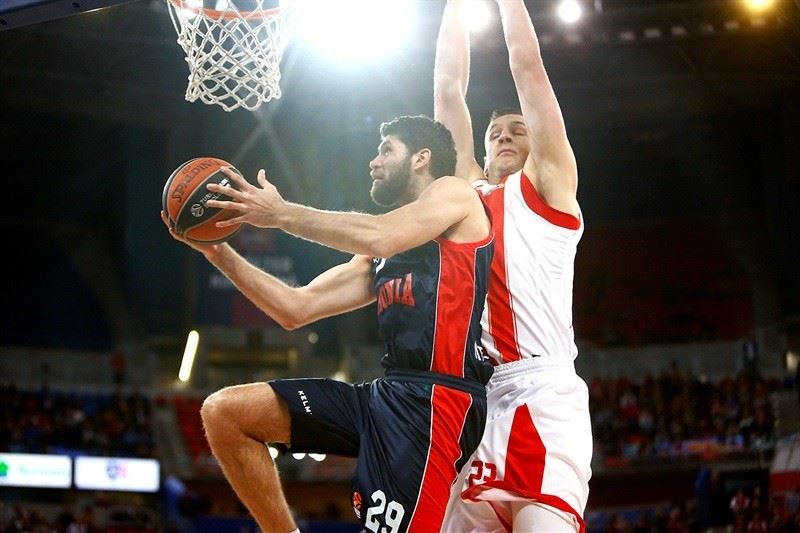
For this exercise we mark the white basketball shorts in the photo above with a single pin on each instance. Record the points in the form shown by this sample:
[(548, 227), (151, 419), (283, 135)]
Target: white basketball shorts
[(537, 447)]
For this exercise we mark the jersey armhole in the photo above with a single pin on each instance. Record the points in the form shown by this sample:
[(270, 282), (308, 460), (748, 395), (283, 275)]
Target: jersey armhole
[(537, 204)]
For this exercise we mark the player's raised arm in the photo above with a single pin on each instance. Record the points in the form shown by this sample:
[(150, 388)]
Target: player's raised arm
[(551, 162), (450, 78), (438, 210)]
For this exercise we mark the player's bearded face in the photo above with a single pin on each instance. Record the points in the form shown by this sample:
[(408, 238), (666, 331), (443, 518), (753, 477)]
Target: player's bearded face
[(390, 180)]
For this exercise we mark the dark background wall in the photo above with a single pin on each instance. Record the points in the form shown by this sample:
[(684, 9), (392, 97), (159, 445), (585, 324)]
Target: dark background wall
[(688, 150)]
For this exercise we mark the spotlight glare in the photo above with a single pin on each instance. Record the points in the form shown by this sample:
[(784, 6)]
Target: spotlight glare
[(475, 15), (192, 10), (189, 352), (679, 31), (758, 6), (731, 25), (298, 456), (652, 33), (273, 452), (355, 29), (317, 456), (570, 11)]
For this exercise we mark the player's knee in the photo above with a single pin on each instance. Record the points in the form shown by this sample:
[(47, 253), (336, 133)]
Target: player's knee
[(245, 410), (217, 410)]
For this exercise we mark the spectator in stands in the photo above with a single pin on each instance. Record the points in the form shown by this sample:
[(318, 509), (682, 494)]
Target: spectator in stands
[(44, 421), (757, 524), (791, 501), (118, 368), (676, 408), (740, 506), (676, 520)]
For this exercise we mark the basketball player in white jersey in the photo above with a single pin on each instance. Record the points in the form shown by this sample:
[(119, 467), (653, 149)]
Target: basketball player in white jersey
[(531, 470)]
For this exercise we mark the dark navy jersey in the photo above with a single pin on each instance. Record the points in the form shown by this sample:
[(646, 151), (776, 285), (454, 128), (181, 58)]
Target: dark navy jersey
[(430, 301)]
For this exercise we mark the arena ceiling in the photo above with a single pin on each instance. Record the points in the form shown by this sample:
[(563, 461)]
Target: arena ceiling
[(648, 89)]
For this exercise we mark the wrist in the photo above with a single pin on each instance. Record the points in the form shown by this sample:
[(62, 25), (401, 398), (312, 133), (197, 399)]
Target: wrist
[(286, 214), (213, 252)]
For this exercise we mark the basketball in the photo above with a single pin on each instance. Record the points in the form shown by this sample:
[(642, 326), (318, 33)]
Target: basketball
[(185, 201)]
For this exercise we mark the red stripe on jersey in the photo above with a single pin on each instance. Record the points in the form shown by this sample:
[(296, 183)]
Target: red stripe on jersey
[(502, 327), (524, 469), (541, 208), (448, 414), (453, 307)]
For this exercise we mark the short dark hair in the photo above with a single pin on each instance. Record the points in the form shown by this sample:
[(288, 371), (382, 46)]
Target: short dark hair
[(418, 132), (503, 111)]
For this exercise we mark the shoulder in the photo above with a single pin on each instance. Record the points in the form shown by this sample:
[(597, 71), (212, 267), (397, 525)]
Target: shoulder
[(485, 188), (451, 187)]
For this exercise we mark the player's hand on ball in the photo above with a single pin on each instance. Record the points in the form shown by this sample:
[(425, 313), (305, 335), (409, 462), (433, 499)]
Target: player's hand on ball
[(203, 248), (257, 206)]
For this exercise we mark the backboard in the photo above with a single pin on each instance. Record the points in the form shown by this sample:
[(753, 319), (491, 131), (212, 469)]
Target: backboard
[(16, 13)]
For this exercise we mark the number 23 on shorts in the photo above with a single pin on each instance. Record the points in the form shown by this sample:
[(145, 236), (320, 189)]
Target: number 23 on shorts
[(481, 472)]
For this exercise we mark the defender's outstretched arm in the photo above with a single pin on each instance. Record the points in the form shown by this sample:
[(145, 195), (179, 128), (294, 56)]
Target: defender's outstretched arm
[(450, 78), (551, 163)]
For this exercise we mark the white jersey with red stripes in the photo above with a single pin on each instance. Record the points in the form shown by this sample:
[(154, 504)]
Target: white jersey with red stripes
[(537, 444), (528, 309)]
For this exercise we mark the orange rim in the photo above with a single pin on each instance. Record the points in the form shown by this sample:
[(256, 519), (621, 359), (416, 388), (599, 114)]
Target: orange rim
[(227, 14)]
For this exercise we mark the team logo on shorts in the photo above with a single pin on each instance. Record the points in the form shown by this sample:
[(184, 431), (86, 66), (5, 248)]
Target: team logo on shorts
[(357, 503)]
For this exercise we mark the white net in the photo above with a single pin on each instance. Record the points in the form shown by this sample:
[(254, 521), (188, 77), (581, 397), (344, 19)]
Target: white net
[(234, 56)]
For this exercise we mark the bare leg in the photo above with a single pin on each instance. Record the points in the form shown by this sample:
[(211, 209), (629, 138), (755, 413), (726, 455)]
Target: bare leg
[(238, 421), (533, 517)]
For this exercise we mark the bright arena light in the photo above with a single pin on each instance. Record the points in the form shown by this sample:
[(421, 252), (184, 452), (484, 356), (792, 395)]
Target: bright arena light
[(188, 356), (476, 15), (317, 456), (355, 29), (758, 6), (298, 456), (570, 11), (190, 13), (273, 452)]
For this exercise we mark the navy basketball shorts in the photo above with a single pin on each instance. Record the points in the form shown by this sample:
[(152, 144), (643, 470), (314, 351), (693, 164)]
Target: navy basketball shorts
[(410, 431)]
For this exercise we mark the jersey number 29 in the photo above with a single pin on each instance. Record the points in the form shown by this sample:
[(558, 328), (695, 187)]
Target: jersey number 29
[(392, 513)]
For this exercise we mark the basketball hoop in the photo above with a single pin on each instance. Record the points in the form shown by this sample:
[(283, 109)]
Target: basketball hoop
[(234, 56)]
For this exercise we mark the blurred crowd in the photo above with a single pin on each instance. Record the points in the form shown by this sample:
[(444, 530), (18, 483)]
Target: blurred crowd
[(676, 415), (748, 510), (45, 421), (752, 512), (90, 518)]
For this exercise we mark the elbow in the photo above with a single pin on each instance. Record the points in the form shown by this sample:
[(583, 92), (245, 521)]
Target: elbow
[(293, 314), (289, 322), (381, 248), (447, 89), (380, 240), (291, 326)]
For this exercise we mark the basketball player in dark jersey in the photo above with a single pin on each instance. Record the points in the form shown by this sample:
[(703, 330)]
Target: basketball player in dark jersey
[(426, 263)]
